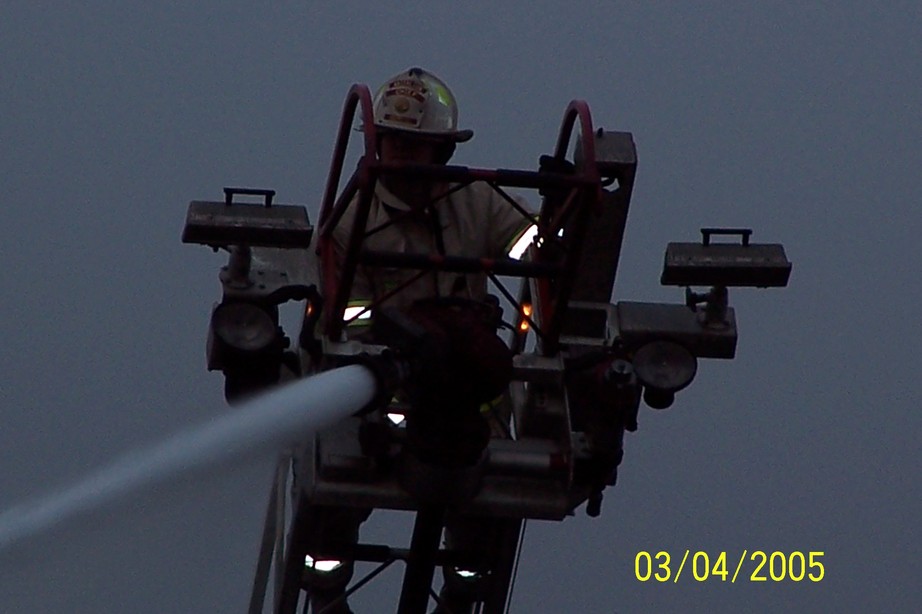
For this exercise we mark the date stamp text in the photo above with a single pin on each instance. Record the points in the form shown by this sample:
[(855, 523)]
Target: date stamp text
[(755, 566)]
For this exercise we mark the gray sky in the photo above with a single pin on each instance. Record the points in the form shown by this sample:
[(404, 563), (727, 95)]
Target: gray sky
[(799, 121)]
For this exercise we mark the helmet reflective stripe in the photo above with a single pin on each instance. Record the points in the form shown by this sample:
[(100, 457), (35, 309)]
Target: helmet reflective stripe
[(419, 102), (444, 95)]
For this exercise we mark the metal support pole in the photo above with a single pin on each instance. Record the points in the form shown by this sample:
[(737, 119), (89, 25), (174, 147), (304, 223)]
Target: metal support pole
[(294, 560), (281, 488), (510, 534), (270, 531), (417, 579), (237, 272)]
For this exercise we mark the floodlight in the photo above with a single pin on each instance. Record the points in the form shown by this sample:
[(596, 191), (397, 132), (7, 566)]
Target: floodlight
[(664, 367), (726, 264), (244, 327)]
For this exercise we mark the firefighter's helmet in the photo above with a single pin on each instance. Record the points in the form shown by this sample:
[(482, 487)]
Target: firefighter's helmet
[(417, 101)]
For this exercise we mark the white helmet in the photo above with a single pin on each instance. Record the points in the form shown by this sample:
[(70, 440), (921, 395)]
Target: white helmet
[(419, 102)]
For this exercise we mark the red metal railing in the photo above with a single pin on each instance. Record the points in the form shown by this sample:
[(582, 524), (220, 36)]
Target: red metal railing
[(554, 276)]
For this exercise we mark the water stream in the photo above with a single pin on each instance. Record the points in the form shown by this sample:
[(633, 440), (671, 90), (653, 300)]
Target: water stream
[(272, 421)]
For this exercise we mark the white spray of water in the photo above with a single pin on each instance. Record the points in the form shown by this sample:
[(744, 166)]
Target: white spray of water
[(272, 421)]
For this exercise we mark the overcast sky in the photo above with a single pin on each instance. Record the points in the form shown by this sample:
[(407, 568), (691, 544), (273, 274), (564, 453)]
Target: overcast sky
[(800, 120)]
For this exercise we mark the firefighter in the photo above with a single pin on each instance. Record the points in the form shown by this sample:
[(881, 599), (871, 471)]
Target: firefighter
[(417, 122), (416, 118)]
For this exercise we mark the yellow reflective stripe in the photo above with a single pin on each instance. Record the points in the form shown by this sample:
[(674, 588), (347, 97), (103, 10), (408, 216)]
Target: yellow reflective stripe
[(517, 246), (491, 405), (358, 312), (442, 94)]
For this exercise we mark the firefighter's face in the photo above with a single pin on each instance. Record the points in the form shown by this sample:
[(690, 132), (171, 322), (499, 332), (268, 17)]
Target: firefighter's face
[(396, 147)]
